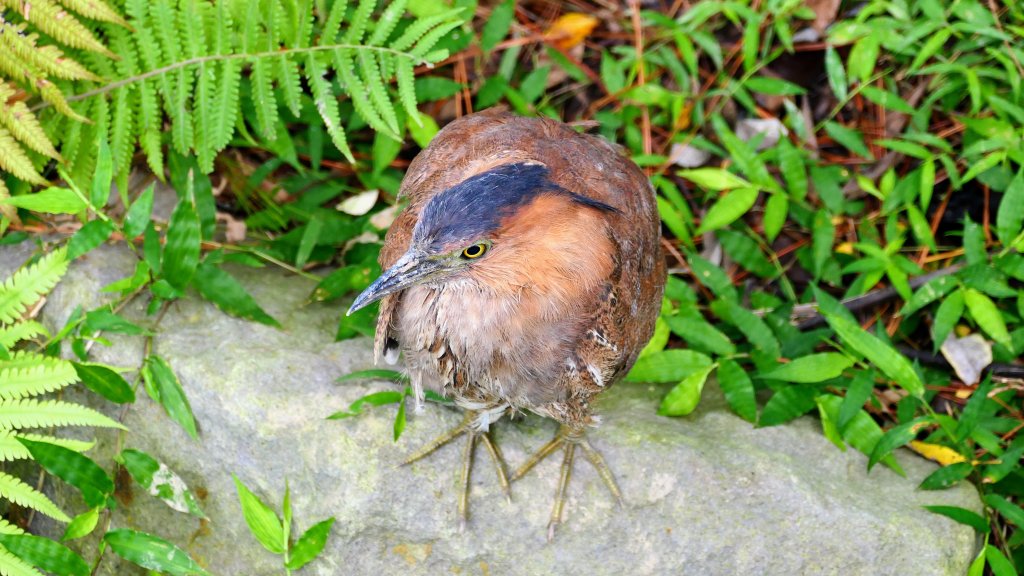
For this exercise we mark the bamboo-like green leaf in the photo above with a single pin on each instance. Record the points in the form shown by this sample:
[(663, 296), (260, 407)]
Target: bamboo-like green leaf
[(74, 468), (787, 404), (962, 515), (88, 237), (102, 177), (947, 476), (895, 437), (857, 394), (46, 554), (1009, 510), (714, 179), (1010, 218), (776, 209), (930, 292), (987, 315), (152, 552), (728, 209), (999, 563), (849, 138), (310, 544), (181, 252), (222, 289), (51, 200), (105, 382), (373, 399), (861, 432), (160, 378), (139, 214), (738, 389), (668, 366), (812, 368), (82, 525), (160, 481), (751, 325), (946, 316), (683, 398), (263, 522)]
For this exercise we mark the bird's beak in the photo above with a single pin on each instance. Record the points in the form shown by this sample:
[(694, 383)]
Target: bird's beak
[(411, 269)]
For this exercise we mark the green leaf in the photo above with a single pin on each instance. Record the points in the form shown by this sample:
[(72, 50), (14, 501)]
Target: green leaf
[(311, 232), (738, 389), (374, 374), (310, 544), (852, 139), (728, 209), (263, 522), (895, 437), (946, 317), (862, 432), (668, 366), (51, 200), (813, 368), (987, 315), (105, 320), (160, 481), (1009, 510), (1000, 565), (497, 25), (105, 382), (1010, 219), (374, 399), (160, 378), (226, 293), (776, 209), (102, 177), (836, 73), (684, 397), (787, 404), (74, 468), (930, 292), (399, 425), (181, 252), (152, 552), (881, 354), (773, 86), (751, 325), (88, 237), (82, 525), (857, 394), (963, 516), (139, 214), (714, 179), (46, 554), (947, 476)]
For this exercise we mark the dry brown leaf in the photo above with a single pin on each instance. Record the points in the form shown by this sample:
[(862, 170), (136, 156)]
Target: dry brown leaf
[(824, 12), (570, 29), (941, 454), (234, 229)]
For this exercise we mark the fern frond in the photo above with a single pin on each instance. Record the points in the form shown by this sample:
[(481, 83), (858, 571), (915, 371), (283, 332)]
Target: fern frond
[(288, 80), (31, 374), (41, 60), (54, 97), (422, 26), (58, 24), (11, 335), (27, 285), (343, 65), (11, 565), (263, 98), (423, 46), (22, 123), (406, 76), (387, 22), (356, 28), (333, 23), (11, 449), (378, 92), (326, 105), (14, 160), (8, 528), (95, 9), (20, 414), (24, 495), (227, 102), (206, 81)]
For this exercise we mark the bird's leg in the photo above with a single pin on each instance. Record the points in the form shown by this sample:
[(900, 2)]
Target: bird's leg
[(472, 435), (569, 438)]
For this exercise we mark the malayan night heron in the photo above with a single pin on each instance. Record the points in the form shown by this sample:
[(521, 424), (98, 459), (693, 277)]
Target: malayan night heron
[(525, 273)]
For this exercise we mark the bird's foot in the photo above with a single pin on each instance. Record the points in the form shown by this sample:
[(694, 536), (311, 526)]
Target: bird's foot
[(472, 436), (569, 439)]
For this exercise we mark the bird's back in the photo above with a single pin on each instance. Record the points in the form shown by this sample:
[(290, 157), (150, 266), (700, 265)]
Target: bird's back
[(619, 315)]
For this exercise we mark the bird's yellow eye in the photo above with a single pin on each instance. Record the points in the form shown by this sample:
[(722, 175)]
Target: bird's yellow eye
[(474, 251)]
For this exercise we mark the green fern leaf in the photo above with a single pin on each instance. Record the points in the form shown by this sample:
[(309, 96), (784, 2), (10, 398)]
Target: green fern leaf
[(22, 124), (30, 374), (27, 285), (17, 46), (206, 80), (177, 84), (20, 414), (122, 144), (357, 91), (8, 528), (11, 565), (71, 138), (96, 10), (288, 80), (406, 77), (11, 335), (14, 160), (24, 495), (191, 18), (357, 27), (431, 38), (333, 23), (421, 26), (152, 145), (54, 97), (378, 92), (227, 103), (327, 105), (263, 98), (304, 30), (57, 23), (387, 22)]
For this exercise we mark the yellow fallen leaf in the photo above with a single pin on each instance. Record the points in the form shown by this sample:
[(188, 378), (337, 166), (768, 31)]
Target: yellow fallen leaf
[(941, 454), (845, 248), (570, 29)]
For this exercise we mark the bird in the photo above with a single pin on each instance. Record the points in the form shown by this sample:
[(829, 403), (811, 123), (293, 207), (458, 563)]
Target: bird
[(525, 274)]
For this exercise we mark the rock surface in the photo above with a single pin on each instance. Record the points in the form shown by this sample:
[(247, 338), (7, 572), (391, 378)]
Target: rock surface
[(706, 494)]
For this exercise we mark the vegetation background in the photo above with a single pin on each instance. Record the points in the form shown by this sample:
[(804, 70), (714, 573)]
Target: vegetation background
[(841, 186)]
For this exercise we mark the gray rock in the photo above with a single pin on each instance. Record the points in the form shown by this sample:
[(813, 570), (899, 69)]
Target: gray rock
[(706, 494)]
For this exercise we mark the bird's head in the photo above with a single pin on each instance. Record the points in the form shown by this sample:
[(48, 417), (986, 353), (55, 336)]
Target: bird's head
[(486, 225)]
